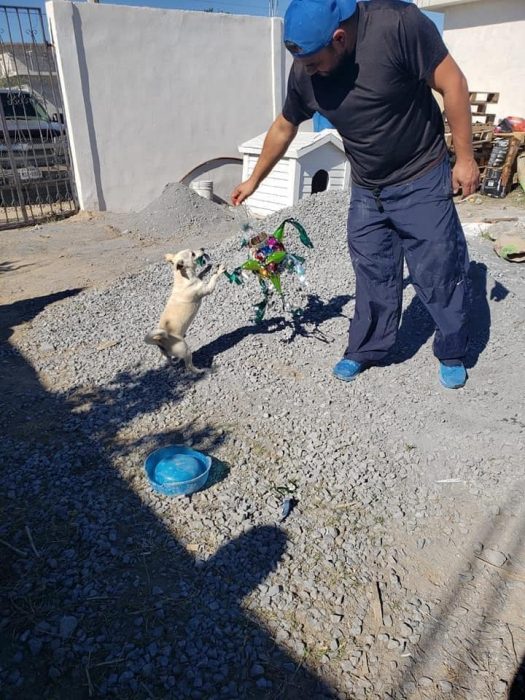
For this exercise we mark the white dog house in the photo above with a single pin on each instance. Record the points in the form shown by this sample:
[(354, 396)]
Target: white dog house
[(315, 162)]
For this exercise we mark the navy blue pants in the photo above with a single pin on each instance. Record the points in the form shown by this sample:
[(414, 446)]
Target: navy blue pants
[(416, 221)]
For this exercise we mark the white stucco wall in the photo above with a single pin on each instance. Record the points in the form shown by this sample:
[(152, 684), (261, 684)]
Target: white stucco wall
[(438, 5), (150, 94), (487, 40)]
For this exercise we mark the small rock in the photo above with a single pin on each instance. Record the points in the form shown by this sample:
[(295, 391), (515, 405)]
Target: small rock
[(68, 625), (425, 682), (465, 577), (445, 686), (491, 556), (35, 645), (501, 686)]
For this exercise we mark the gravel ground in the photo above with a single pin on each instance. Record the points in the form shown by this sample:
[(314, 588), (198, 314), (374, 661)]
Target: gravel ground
[(400, 572)]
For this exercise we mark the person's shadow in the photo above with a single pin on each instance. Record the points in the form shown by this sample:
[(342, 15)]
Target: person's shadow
[(417, 326), (480, 316), (517, 691)]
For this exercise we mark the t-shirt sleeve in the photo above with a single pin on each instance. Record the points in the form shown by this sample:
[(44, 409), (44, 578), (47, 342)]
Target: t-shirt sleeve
[(422, 47), (295, 109)]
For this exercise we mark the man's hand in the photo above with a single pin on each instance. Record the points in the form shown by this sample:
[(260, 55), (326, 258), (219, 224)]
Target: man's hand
[(280, 135), (242, 192), (465, 176)]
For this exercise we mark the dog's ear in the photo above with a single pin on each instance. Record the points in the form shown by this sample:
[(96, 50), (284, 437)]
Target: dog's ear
[(169, 257)]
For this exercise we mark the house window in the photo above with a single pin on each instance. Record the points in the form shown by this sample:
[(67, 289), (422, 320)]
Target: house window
[(319, 181)]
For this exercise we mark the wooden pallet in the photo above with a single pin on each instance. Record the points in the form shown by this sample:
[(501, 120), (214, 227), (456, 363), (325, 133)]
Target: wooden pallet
[(479, 103), (482, 134), (484, 98), (484, 119)]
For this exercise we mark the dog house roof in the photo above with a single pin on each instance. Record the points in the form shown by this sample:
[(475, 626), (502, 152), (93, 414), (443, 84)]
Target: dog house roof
[(303, 143)]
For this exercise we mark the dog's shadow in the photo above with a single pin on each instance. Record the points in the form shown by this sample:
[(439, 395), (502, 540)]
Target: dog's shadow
[(307, 325)]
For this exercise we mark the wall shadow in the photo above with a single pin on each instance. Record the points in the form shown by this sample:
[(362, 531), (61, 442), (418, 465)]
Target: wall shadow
[(517, 690), (86, 93), (480, 317), (98, 597)]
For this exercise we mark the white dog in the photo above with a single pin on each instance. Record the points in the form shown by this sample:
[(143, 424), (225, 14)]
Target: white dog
[(183, 304)]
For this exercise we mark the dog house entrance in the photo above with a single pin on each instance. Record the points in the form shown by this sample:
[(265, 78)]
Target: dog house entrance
[(319, 181)]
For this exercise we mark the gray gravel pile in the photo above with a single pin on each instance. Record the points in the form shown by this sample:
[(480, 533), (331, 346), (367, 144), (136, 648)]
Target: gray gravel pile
[(179, 214), (397, 574)]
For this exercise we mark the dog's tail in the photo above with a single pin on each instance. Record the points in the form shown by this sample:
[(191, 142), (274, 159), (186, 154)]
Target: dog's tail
[(156, 337)]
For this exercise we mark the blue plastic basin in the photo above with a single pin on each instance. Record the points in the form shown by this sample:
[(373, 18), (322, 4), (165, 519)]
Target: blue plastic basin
[(177, 470)]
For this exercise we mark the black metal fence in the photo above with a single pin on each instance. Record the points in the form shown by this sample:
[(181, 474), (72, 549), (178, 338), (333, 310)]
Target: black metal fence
[(36, 178)]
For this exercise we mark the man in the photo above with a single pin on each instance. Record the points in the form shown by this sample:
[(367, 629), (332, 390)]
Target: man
[(369, 67)]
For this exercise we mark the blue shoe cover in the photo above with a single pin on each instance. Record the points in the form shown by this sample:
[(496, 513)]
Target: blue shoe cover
[(453, 377), (347, 369)]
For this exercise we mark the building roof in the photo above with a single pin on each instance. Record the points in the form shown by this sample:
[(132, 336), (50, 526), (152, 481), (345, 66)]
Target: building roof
[(303, 143)]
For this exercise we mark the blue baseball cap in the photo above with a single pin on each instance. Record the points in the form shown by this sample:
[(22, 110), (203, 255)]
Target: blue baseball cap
[(310, 24)]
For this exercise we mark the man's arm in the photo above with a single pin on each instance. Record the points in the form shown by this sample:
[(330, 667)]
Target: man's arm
[(450, 82), (279, 137)]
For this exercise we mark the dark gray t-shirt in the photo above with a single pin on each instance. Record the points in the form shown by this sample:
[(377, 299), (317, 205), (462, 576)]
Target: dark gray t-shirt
[(378, 99)]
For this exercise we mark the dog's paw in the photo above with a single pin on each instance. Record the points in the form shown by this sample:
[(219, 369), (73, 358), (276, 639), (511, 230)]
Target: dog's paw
[(197, 371)]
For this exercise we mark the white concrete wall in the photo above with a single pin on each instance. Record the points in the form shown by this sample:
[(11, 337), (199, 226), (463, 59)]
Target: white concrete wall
[(438, 5), (151, 94), (487, 39)]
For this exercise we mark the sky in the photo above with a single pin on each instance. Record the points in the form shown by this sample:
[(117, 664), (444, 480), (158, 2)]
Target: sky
[(250, 7)]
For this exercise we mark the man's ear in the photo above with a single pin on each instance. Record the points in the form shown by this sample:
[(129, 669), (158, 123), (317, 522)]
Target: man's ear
[(339, 38)]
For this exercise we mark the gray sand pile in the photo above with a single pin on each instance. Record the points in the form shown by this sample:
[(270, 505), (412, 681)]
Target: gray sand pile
[(180, 214)]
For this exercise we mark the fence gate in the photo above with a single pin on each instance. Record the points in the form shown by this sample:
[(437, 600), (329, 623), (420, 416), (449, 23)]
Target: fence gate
[(36, 178)]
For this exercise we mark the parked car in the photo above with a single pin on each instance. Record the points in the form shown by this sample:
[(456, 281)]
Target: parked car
[(38, 142)]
